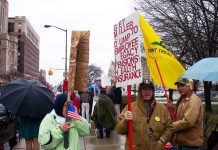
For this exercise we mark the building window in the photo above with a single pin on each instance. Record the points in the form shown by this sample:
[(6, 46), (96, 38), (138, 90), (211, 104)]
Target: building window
[(19, 36), (10, 27), (19, 30)]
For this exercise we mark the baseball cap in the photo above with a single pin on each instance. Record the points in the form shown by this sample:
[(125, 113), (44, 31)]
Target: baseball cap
[(146, 83), (182, 81)]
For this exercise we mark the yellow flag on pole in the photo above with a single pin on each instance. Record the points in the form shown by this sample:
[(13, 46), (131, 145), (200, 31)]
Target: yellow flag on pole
[(159, 58)]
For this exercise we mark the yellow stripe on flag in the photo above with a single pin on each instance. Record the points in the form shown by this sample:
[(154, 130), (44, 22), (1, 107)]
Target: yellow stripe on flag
[(170, 67)]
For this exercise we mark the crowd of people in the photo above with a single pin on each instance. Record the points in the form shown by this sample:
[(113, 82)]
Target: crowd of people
[(152, 125)]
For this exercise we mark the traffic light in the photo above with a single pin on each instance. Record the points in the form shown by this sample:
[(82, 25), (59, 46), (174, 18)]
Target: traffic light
[(50, 72)]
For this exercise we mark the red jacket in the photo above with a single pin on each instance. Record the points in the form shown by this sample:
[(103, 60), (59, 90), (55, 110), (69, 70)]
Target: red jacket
[(75, 101)]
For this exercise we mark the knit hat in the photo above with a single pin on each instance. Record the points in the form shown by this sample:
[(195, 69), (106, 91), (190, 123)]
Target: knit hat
[(59, 104)]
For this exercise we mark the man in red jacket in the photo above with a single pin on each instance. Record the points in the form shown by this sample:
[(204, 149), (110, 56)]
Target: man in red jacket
[(75, 101)]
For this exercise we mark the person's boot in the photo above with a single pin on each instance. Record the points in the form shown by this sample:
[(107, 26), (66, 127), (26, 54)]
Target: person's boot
[(100, 134), (107, 133)]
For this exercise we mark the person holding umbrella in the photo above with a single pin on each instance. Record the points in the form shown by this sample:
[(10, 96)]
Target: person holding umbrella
[(151, 122), (25, 98), (29, 129), (53, 126)]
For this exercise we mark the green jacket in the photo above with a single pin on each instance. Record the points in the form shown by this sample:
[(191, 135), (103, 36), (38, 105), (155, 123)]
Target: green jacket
[(104, 112), (51, 136)]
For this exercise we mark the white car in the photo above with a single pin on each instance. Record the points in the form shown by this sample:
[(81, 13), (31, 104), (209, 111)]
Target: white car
[(200, 94), (160, 94), (124, 93)]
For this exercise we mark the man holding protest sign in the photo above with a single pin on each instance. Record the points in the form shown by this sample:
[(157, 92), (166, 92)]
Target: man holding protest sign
[(151, 122), (127, 52)]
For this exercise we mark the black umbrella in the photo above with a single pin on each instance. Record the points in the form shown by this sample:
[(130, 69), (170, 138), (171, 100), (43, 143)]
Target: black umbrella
[(27, 98)]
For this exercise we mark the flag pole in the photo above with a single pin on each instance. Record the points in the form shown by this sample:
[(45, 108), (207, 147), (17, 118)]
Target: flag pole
[(66, 134), (169, 103), (130, 121), (71, 82)]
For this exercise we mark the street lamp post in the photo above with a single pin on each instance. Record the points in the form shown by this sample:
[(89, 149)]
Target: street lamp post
[(66, 141), (65, 74)]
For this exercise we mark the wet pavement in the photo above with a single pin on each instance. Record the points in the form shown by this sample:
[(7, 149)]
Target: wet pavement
[(115, 142)]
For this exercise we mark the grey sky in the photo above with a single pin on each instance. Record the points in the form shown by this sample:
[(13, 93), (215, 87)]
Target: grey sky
[(98, 16)]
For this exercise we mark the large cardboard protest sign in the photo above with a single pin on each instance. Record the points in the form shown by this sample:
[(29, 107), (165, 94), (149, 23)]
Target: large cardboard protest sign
[(127, 51), (79, 60)]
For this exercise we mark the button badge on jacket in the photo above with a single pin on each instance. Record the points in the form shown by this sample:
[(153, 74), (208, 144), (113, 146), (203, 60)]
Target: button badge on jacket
[(157, 119)]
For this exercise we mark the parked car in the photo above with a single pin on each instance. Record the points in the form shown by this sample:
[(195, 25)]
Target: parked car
[(124, 93), (8, 127), (200, 94), (160, 94)]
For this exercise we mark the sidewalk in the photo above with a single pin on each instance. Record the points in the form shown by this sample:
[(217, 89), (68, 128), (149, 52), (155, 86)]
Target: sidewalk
[(115, 142)]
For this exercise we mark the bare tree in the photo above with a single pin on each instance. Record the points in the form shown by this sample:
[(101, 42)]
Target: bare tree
[(94, 73), (189, 29)]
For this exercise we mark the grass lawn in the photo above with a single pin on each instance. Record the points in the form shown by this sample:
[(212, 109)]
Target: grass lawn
[(215, 109)]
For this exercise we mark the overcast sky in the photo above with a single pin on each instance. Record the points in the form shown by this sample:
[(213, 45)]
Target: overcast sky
[(98, 16)]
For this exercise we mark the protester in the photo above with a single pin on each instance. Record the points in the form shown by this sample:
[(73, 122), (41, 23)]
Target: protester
[(53, 126), (29, 129), (91, 96), (118, 99), (151, 122), (188, 128), (85, 99), (75, 101), (104, 114), (110, 91)]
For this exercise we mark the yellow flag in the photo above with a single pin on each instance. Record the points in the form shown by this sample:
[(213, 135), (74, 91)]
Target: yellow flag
[(169, 67)]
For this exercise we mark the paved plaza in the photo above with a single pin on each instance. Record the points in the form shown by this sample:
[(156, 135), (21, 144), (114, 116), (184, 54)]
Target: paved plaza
[(115, 142)]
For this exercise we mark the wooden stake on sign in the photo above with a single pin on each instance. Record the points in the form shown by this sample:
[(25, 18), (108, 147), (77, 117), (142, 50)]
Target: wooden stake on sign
[(71, 79)]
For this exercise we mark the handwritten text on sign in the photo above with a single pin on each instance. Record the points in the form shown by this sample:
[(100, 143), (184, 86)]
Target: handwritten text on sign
[(127, 51)]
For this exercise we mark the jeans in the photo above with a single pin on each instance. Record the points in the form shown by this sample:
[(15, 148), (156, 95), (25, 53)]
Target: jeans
[(182, 147), (85, 111), (117, 108)]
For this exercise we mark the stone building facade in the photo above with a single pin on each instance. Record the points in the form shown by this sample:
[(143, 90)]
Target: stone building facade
[(28, 46)]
